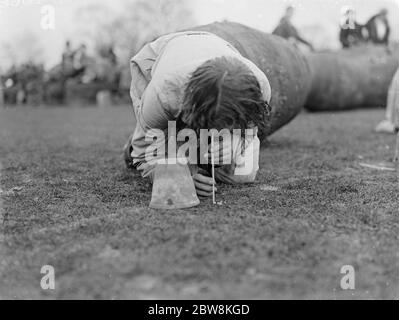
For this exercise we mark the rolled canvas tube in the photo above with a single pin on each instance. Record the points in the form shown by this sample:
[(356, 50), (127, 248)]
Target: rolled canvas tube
[(348, 79)]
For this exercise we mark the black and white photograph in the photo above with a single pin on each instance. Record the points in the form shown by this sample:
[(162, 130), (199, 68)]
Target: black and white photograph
[(222, 152)]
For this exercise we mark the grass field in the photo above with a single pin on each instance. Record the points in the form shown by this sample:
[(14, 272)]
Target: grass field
[(69, 202)]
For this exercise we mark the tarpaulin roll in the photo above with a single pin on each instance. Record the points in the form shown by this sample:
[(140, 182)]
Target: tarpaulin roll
[(354, 78)]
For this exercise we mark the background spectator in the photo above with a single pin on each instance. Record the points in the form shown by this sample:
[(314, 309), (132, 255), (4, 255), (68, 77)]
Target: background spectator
[(286, 29), (351, 32), (378, 28)]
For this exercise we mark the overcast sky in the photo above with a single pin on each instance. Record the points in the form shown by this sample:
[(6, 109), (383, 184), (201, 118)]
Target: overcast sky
[(19, 17)]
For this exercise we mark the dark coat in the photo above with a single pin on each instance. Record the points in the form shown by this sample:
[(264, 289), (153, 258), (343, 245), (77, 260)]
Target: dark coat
[(372, 30)]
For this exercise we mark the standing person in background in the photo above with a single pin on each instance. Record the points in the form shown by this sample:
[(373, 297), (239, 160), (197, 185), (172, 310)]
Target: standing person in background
[(378, 28), (68, 59), (286, 29), (80, 61), (351, 32)]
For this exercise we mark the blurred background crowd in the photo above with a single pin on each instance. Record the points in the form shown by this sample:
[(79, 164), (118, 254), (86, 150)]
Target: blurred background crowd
[(93, 65), (78, 76)]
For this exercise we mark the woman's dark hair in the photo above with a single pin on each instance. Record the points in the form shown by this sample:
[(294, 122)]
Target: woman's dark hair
[(223, 93)]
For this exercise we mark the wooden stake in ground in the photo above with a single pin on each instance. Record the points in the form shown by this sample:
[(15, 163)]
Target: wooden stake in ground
[(213, 168)]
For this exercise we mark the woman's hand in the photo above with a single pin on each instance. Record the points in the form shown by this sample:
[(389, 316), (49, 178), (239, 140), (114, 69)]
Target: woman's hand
[(222, 154), (203, 185)]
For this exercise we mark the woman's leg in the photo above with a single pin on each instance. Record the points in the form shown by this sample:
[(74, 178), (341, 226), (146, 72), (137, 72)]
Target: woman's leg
[(391, 123), (393, 101)]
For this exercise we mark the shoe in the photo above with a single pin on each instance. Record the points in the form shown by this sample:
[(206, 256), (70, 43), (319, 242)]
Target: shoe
[(127, 153), (386, 126)]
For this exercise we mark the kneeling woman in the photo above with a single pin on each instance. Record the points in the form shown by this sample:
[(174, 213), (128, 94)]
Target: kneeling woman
[(200, 81)]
